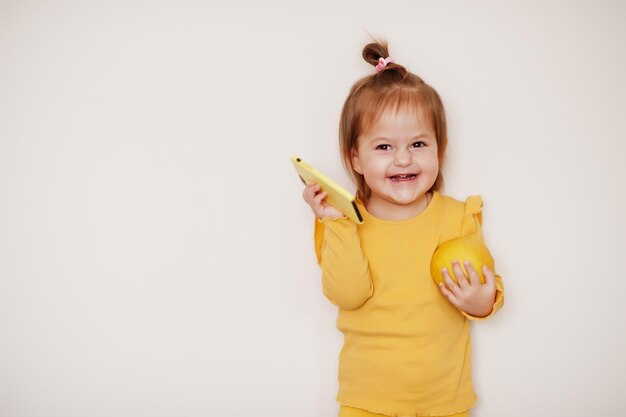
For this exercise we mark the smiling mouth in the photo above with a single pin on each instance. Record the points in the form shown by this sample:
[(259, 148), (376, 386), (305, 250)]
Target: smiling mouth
[(403, 177)]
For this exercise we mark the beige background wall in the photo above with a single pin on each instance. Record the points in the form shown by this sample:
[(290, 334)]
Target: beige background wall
[(156, 257)]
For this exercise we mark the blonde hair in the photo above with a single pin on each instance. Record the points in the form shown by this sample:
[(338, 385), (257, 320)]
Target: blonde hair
[(392, 88)]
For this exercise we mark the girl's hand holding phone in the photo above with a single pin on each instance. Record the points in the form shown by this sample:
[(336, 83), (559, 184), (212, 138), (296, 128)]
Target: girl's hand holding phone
[(314, 196), (470, 295)]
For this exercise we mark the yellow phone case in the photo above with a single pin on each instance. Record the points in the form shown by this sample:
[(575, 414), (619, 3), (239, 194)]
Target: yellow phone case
[(337, 196)]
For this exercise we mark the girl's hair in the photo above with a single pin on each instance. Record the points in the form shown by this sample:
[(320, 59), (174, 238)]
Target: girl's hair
[(392, 88)]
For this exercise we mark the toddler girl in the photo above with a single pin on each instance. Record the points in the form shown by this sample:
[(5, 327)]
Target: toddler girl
[(407, 348)]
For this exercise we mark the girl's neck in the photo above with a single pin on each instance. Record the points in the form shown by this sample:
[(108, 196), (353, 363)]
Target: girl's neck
[(386, 210)]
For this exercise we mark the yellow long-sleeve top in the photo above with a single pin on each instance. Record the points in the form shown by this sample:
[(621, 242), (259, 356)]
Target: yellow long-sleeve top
[(407, 349)]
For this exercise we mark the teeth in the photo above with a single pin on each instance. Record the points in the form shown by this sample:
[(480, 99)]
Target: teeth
[(403, 176)]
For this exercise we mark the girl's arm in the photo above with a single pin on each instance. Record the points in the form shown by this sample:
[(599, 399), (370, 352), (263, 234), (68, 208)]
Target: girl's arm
[(346, 280)]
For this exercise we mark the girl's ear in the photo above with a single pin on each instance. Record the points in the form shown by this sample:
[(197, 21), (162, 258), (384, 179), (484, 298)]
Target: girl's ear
[(356, 165)]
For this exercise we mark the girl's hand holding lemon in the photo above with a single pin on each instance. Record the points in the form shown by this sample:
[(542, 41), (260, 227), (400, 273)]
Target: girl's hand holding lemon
[(467, 289), (470, 295)]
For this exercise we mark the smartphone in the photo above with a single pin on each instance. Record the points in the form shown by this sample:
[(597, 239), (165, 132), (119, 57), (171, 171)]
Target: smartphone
[(337, 196)]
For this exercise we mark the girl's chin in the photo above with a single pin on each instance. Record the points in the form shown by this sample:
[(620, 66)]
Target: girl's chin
[(405, 200)]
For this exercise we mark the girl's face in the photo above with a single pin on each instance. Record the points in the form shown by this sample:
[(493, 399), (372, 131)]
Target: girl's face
[(398, 158)]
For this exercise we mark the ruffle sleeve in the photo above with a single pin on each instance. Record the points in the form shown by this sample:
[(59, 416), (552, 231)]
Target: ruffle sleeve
[(472, 217)]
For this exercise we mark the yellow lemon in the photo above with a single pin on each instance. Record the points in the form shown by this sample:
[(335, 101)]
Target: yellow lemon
[(462, 249)]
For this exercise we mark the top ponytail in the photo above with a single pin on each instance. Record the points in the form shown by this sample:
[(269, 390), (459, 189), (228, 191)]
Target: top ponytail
[(373, 52)]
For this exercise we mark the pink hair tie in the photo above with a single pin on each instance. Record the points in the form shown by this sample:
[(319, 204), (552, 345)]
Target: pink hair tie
[(382, 63)]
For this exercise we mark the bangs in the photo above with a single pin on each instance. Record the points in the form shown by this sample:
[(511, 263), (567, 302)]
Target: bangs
[(412, 100)]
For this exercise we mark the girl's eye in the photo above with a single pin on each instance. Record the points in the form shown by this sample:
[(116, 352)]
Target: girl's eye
[(383, 147), (419, 144)]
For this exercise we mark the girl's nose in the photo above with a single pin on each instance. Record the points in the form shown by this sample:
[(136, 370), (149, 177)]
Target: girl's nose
[(403, 157)]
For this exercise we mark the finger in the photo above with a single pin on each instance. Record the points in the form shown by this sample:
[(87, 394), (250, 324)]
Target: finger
[(322, 205), (452, 286), (459, 274), (319, 198), (309, 192), (474, 279), (449, 295), (490, 276)]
